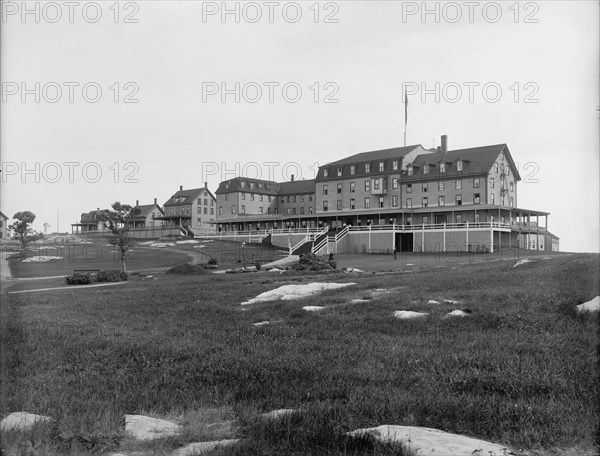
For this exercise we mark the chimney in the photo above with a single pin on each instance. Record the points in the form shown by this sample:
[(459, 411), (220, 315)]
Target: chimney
[(292, 178), (155, 203), (181, 188), (444, 144), (137, 202), (206, 185)]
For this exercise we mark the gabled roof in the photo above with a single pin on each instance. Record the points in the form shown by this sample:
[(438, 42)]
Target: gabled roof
[(297, 187), (145, 210), (479, 160), (189, 194), (375, 155), (89, 216), (3, 216)]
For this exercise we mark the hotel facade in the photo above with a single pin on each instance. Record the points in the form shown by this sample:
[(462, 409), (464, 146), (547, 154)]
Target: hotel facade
[(405, 199)]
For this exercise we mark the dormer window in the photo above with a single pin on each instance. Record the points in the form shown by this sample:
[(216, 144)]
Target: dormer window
[(339, 171), (352, 170), (367, 167), (381, 166), (242, 184), (425, 169), (442, 167), (251, 185), (395, 165), (410, 170), (459, 165), (501, 156), (325, 173)]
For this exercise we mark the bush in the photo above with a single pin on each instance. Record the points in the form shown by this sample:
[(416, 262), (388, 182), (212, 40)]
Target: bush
[(80, 279), (311, 262), (212, 262), (187, 269), (112, 275)]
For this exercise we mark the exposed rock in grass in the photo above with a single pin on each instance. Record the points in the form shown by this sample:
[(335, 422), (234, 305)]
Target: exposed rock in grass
[(22, 420), (408, 314), (433, 441), (148, 428), (281, 263), (352, 270), (521, 262), (312, 308), (359, 301), (278, 413), (292, 292), (275, 270), (41, 259), (458, 313), (188, 241), (590, 306), (433, 302), (450, 301), (261, 323), (198, 448)]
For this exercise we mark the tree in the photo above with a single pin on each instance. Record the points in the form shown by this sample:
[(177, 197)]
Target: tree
[(22, 230), (116, 221)]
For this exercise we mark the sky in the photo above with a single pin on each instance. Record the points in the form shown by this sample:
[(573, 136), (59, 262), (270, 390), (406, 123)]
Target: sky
[(127, 101)]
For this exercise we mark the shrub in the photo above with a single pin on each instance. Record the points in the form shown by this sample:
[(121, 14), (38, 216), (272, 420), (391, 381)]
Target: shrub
[(80, 279), (311, 262), (187, 269), (112, 275), (212, 262)]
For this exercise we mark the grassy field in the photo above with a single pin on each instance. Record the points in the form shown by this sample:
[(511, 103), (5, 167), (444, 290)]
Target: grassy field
[(521, 370)]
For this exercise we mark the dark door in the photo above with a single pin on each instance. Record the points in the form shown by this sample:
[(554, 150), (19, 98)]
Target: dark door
[(442, 218), (404, 242)]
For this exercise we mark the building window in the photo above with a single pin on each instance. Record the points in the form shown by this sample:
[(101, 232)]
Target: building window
[(425, 220), (205, 211), (226, 197), (199, 221), (269, 210), (293, 198), (492, 181), (458, 184), (476, 217), (459, 165), (260, 210), (288, 199), (205, 202), (352, 204), (459, 218), (233, 209), (310, 209), (310, 198), (339, 171), (339, 205), (502, 168), (409, 202), (508, 170), (199, 200), (243, 210), (270, 198), (425, 187), (220, 210), (475, 198), (492, 198), (283, 199), (442, 167), (395, 182), (496, 168), (381, 167), (459, 200), (325, 189), (441, 200), (294, 211), (367, 186), (441, 186), (367, 167), (408, 188), (325, 206), (512, 187), (425, 168), (376, 184), (367, 203), (302, 210), (476, 182), (394, 200), (251, 185), (243, 196), (352, 170), (424, 202), (288, 210), (381, 201), (352, 187), (198, 210), (242, 184), (512, 202), (212, 211), (410, 170), (325, 173), (339, 188), (251, 196)]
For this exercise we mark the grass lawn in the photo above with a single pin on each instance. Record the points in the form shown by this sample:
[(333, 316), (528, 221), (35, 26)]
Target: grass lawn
[(521, 370)]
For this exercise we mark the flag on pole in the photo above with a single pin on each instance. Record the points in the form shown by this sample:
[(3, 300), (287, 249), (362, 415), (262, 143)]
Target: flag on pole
[(405, 109)]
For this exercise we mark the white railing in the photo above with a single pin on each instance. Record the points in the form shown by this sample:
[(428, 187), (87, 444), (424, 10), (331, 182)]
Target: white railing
[(432, 226), (339, 236), (296, 230), (320, 246), (299, 244)]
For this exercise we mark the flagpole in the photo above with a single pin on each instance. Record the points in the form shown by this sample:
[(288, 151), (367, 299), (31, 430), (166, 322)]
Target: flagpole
[(405, 115)]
